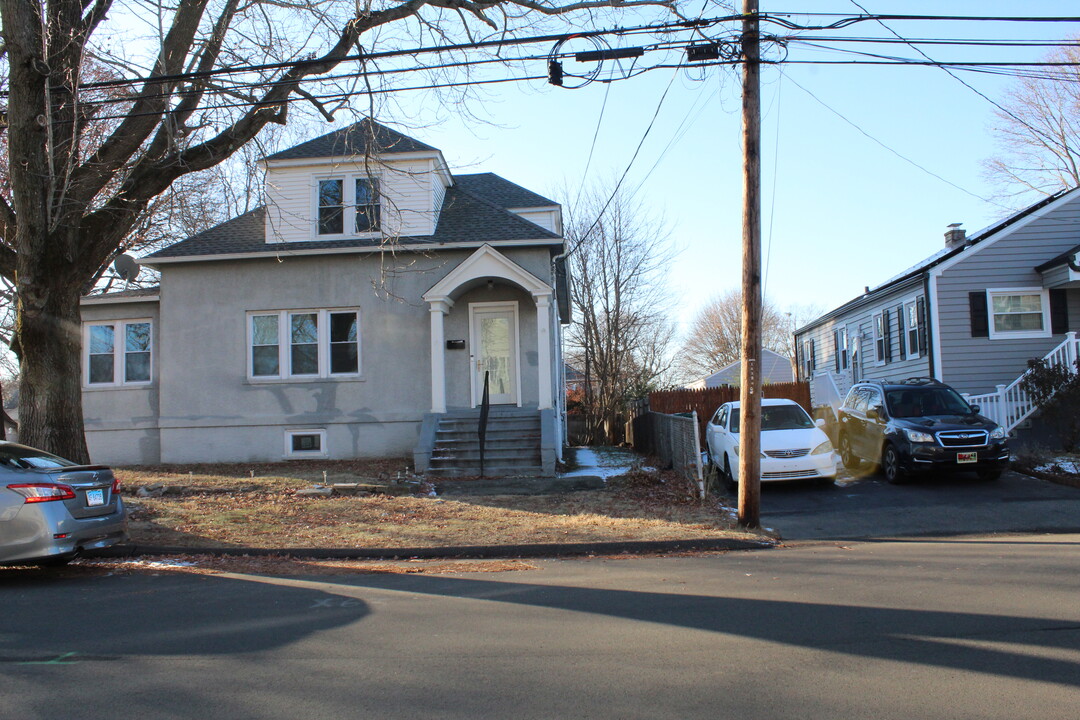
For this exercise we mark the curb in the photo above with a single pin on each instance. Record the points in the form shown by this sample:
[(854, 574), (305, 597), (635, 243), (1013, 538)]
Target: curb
[(547, 550)]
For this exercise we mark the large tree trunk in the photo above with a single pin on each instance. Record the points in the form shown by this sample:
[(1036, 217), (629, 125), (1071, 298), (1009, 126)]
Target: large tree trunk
[(50, 389), (48, 277)]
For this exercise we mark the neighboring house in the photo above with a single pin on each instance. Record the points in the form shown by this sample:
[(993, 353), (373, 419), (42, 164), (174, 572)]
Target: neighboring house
[(775, 368), (970, 315), (354, 315)]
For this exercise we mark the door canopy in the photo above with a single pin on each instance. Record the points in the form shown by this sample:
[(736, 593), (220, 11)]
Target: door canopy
[(482, 265)]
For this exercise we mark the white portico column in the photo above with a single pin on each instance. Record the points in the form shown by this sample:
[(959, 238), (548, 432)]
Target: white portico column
[(543, 347), (438, 309)]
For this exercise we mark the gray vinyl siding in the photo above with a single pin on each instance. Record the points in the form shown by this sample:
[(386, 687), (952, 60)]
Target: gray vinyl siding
[(859, 322), (978, 364)]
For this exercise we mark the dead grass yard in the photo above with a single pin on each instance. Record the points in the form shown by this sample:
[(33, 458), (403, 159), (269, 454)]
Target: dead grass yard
[(255, 505)]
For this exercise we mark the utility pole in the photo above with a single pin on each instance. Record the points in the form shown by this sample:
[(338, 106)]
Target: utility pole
[(750, 389)]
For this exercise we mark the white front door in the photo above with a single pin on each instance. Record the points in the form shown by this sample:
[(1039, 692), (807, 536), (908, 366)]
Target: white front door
[(495, 351)]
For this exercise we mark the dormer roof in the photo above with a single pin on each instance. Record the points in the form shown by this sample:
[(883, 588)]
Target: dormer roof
[(361, 138), (501, 191)]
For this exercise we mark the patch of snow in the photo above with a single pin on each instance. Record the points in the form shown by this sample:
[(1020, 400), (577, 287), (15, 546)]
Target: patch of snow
[(649, 469), (159, 563), (605, 464), (1061, 464)]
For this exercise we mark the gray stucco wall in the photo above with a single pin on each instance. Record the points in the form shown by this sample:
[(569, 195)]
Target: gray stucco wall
[(976, 365), (208, 409), (122, 421)]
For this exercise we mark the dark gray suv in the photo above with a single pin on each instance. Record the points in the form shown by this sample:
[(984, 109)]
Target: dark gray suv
[(918, 425)]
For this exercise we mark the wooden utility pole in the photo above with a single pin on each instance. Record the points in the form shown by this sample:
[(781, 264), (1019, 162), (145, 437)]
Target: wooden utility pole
[(750, 389)]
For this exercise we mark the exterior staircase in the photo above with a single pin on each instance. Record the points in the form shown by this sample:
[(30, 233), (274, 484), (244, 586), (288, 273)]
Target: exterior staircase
[(513, 446), (1009, 405)]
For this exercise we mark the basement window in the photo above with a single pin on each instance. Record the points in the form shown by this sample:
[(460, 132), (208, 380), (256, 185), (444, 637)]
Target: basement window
[(305, 443)]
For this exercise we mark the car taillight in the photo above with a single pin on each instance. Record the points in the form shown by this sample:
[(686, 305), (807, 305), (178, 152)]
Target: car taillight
[(43, 492), (116, 486)]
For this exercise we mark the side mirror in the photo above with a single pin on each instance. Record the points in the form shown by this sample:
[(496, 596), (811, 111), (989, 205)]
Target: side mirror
[(820, 422), (974, 409), (875, 412)]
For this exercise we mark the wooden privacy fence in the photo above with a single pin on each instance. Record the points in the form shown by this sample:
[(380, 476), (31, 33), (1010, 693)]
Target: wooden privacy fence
[(705, 401)]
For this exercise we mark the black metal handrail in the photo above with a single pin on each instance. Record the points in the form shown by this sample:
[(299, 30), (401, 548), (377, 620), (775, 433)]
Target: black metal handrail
[(485, 405)]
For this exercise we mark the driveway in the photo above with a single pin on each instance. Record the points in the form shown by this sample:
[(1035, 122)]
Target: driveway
[(868, 507)]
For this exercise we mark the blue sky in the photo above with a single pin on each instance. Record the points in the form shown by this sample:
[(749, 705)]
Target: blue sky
[(839, 212)]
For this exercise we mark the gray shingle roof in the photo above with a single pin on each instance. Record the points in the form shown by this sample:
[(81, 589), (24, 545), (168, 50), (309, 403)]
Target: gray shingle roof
[(465, 218), (501, 191), (148, 292), (356, 139), (936, 259)]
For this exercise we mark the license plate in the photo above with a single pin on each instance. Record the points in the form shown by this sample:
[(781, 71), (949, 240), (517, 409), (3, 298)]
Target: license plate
[(95, 497), (969, 457)]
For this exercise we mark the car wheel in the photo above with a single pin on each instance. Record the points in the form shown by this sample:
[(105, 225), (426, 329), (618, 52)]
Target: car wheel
[(727, 477), (890, 465), (850, 460), (989, 475)]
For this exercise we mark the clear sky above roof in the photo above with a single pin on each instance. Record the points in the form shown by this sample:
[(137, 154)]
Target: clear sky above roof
[(841, 208)]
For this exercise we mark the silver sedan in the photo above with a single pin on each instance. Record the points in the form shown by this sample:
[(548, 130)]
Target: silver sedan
[(52, 509)]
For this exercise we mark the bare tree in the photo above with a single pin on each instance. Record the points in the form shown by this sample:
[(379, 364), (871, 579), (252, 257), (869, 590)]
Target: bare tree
[(714, 340), (210, 76), (622, 336), (1038, 130)]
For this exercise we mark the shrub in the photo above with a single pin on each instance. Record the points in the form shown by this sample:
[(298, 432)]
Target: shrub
[(1055, 390)]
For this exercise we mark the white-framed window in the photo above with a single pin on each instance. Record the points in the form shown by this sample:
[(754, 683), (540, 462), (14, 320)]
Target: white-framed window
[(119, 352), (840, 337), (912, 329), (808, 358), (305, 443), (879, 338), (302, 344), (1018, 312), (347, 205)]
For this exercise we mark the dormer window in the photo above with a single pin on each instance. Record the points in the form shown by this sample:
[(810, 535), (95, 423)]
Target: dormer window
[(350, 202)]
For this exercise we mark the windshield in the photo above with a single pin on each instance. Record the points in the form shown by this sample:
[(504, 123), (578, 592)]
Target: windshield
[(777, 417), (25, 458), (920, 402)]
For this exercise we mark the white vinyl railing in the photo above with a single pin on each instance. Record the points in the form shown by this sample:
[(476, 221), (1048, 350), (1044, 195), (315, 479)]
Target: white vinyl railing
[(1009, 405)]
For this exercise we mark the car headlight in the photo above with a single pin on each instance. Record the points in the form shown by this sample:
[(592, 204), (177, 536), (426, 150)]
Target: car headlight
[(736, 449), (997, 433), (916, 436), (825, 447)]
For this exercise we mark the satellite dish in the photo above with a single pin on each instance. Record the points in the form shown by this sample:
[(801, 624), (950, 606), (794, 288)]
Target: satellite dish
[(126, 267)]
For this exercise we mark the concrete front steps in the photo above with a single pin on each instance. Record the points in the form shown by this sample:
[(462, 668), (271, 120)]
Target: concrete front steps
[(512, 448)]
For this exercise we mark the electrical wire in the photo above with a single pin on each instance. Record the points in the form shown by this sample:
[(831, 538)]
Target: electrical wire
[(1001, 108), (891, 150)]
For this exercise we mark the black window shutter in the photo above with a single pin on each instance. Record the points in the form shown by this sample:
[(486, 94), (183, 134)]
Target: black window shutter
[(1059, 312), (813, 356), (900, 332), (980, 323), (836, 344), (920, 312), (888, 334)]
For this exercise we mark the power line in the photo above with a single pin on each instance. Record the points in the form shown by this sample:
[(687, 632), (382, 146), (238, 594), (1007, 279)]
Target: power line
[(972, 88), (894, 152)]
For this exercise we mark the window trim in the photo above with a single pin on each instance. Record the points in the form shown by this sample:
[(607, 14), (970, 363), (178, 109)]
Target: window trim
[(290, 433), (284, 345), (119, 353), (912, 349), (878, 322), (1044, 296), (348, 212)]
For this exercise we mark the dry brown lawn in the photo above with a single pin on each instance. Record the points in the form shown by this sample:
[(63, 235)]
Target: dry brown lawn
[(256, 506)]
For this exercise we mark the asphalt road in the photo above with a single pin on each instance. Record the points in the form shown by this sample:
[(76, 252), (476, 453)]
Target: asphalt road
[(869, 507), (982, 628)]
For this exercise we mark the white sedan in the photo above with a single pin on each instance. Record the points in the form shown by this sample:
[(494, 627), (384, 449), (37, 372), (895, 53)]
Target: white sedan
[(793, 447)]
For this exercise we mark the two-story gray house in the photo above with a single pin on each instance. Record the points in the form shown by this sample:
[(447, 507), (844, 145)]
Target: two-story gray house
[(970, 315), (356, 314)]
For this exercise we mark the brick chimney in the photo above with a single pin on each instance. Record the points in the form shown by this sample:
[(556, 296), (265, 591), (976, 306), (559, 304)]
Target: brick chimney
[(955, 236)]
